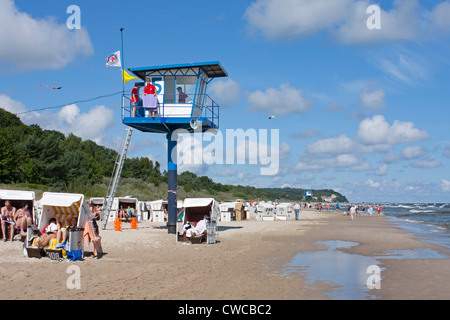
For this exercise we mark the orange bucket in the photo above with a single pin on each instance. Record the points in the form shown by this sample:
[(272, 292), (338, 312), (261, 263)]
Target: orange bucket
[(133, 223), (118, 224)]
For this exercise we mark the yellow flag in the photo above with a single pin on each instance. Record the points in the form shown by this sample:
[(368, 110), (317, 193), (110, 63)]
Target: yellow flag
[(127, 77)]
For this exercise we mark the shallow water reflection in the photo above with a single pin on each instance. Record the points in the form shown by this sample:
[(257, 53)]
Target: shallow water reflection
[(348, 271), (351, 273)]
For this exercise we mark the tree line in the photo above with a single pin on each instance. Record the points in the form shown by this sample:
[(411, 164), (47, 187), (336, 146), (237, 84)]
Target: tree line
[(32, 155)]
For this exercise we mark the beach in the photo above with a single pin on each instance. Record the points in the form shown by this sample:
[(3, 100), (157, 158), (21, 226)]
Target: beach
[(253, 260)]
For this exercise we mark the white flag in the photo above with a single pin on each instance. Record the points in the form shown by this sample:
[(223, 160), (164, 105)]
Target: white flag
[(114, 60)]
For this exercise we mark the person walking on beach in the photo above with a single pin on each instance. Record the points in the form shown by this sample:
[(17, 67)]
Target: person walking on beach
[(353, 212), (337, 207), (297, 209), (379, 211)]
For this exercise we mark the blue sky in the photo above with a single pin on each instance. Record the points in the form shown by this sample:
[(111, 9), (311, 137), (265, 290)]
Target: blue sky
[(364, 112)]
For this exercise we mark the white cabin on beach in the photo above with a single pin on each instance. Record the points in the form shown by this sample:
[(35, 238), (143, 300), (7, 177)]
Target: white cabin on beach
[(227, 212), (284, 211), (265, 212), (124, 203)]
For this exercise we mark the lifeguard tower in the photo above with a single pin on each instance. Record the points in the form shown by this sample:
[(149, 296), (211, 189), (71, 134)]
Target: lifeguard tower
[(182, 103)]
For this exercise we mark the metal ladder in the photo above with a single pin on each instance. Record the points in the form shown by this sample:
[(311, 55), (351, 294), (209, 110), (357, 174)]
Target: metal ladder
[(115, 177)]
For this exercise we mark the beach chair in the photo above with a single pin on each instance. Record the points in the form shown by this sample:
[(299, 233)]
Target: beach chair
[(63, 207), (17, 198), (195, 209)]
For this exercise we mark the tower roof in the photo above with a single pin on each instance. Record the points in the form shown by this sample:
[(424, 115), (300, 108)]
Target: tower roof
[(212, 69)]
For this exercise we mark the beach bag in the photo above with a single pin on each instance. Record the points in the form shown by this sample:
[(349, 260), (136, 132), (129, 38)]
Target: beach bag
[(75, 255)]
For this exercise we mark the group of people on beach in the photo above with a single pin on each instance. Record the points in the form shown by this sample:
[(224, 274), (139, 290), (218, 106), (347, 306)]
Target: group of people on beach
[(127, 213), (12, 218), (355, 210)]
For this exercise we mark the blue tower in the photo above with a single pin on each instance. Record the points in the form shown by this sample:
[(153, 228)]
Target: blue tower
[(182, 103)]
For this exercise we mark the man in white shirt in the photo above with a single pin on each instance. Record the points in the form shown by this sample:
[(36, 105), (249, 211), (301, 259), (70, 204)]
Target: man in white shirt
[(353, 212)]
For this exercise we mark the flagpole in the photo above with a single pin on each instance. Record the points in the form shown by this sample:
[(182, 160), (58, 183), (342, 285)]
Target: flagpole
[(123, 61)]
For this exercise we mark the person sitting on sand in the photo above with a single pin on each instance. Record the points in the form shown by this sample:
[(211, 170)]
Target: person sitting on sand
[(50, 232), (199, 228), (22, 218), (7, 216)]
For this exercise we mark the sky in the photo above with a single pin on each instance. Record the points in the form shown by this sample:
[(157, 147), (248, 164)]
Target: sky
[(360, 99)]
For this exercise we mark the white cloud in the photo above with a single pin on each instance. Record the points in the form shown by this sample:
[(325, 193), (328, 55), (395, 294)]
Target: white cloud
[(363, 166), (439, 17), (373, 184), (426, 164), (346, 20), (446, 152), (29, 43), (445, 185), (278, 102), (403, 66), (400, 23), (226, 92), (338, 161), (340, 144), (69, 113), (414, 152), (372, 100), (90, 125), (291, 19), (377, 130), (11, 105), (381, 170)]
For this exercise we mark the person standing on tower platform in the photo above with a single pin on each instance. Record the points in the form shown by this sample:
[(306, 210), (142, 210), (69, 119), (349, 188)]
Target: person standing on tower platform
[(134, 99), (150, 89)]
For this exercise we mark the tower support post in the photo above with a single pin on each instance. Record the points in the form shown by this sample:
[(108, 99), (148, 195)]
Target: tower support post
[(172, 183)]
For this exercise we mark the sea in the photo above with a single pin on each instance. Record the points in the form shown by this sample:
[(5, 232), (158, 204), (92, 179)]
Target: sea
[(430, 221)]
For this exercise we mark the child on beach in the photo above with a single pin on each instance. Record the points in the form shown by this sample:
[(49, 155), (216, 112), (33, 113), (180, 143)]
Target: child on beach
[(369, 210)]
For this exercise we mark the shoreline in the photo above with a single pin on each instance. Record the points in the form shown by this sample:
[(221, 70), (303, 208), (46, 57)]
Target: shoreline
[(248, 263)]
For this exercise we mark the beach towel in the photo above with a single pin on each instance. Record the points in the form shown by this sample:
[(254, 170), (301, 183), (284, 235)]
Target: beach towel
[(150, 102), (75, 255), (89, 235)]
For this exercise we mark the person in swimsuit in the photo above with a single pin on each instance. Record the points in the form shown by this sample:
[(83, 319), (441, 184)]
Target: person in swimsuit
[(7, 213), (22, 218), (50, 232)]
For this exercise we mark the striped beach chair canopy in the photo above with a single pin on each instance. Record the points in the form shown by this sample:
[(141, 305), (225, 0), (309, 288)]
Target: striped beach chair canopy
[(62, 206), (196, 208)]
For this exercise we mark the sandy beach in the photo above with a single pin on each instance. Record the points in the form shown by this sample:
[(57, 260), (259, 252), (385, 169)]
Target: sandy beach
[(248, 263)]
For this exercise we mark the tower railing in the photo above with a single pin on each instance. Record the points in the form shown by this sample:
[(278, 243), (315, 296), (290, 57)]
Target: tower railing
[(169, 106)]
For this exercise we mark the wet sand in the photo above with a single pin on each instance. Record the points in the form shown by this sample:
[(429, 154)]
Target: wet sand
[(248, 263)]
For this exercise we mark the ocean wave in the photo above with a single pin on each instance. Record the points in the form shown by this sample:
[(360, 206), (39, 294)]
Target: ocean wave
[(422, 211)]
